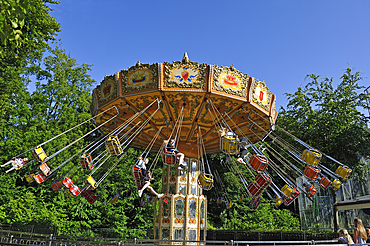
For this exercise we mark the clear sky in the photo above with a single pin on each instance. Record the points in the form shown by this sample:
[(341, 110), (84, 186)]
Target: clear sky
[(277, 41)]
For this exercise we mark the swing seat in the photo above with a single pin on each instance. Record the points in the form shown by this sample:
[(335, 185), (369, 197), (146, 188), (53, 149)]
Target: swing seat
[(295, 193), (287, 190), (90, 181), (278, 200), (138, 177), (219, 200), (241, 198), (86, 161), (169, 158), (324, 182), (74, 190), (29, 177), (229, 145), (67, 182), (311, 172), (113, 145), (45, 169), (254, 189), (114, 198), (343, 171), (336, 184), (229, 205), (89, 195), (262, 180), (205, 181), (311, 191), (288, 200), (311, 157), (39, 154), (256, 201), (56, 185), (39, 178), (259, 163)]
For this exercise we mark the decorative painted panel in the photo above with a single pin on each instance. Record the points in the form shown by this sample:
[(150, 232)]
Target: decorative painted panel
[(139, 77), (230, 80), (185, 74), (107, 90), (261, 94)]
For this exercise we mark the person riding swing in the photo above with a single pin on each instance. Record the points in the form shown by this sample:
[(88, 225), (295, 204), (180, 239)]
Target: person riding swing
[(180, 156), (145, 177)]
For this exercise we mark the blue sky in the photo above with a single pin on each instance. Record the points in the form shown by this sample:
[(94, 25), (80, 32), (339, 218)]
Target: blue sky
[(278, 41)]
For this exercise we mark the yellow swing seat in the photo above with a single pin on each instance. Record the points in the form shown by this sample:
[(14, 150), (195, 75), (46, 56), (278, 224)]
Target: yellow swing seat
[(39, 154), (113, 145), (90, 181), (343, 171), (29, 177), (287, 190), (229, 145), (336, 184), (278, 200), (205, 181), (311, 157)]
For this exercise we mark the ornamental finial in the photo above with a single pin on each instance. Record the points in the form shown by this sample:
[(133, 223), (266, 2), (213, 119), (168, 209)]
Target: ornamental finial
[(185, 59)]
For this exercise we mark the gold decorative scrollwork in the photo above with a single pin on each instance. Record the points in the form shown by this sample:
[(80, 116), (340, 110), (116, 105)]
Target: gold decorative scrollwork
[(139, 77), (230, 80)]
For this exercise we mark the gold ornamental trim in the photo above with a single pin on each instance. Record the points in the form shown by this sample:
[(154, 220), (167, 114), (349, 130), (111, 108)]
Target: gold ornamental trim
[(230, 80), (261, 94), (108, 89), (139, 77)]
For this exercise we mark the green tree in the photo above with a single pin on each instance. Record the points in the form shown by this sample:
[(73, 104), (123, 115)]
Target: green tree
[(331, 119)]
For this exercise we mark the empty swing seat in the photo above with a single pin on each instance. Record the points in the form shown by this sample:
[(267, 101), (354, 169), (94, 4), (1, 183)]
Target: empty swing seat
[(311, 190), (86, 161), (229, 204), (343, 171), (256, 201), (259, 163), (39, 178), (311, 157), (56, 185), (311, 172), (295, 193), (219, 200), (113, 145), (45, 169), (336, 184), (39, 154), (74, 190), (278, 200), (288, 200), (262, 180), (169, 158), (114, 198), (287, 190), (90, 181), (89, 195), (229, 145), (324, 182), (67, 182), (29, 177), (254, 189), (205, 181)]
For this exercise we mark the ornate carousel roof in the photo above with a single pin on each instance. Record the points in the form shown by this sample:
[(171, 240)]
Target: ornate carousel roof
[(245, 102)]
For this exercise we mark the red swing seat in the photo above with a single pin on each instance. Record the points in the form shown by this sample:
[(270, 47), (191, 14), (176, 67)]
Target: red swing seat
[(311, 172), (89, 195), (169, 158), (138, 177), (256, 202), (259, 163), (254, 189), (56, 185), (39, 178)]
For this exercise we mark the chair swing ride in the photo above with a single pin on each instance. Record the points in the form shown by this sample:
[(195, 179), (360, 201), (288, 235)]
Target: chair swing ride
[(205, 109)]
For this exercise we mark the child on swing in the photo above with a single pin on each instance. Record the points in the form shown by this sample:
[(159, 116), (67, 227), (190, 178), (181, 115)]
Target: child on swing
[(17, 163), (180, 156), (146, 177)]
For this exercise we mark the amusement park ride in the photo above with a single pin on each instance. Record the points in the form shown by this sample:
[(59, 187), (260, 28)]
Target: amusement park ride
[(205, 109)]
